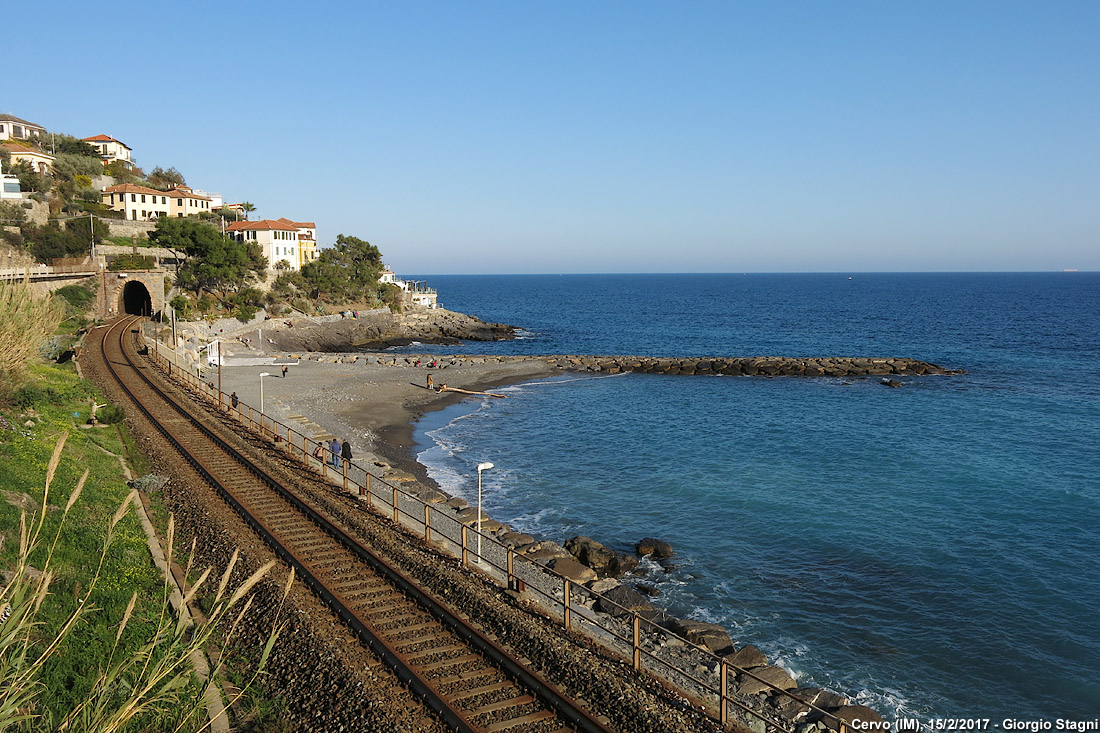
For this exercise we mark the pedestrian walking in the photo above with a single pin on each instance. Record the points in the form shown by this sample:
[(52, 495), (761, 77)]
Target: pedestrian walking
[(284, 371), (431, 382), (234, 400), (334, 448), (345, 452), (319, 454)]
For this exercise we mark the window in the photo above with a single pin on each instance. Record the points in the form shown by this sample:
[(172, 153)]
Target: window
[(164, 199), (1, 128), (16, 131), (143, 198), (133, 198)]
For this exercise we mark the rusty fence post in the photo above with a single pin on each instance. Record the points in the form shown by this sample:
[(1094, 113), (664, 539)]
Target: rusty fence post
[(511, 566), (396, 518), (637, 642), (465, 556), (427, 523), (344, 464), (723, 677), (565, 603)]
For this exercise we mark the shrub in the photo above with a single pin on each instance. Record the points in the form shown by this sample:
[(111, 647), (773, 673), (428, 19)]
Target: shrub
[(28, 396), (110, 414), (131, 262), (78, 296), (245, 312)]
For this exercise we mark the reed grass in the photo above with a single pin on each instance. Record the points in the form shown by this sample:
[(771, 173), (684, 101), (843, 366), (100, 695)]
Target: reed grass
[(148, 682), (27, 320)]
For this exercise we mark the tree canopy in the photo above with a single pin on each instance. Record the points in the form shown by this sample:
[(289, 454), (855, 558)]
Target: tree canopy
[(347, 272), (214, 262)]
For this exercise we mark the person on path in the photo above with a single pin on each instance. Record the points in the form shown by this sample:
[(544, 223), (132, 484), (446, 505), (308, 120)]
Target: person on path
[(334, 448), (234, 400), (345, 452), (284, 371), (431, 382), (319, 454)]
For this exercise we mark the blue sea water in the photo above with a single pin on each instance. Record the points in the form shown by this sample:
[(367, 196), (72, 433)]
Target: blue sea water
[(931, 549)]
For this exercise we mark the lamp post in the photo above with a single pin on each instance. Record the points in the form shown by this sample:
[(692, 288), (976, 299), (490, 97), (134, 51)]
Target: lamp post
[(480, 467), (262, 375)]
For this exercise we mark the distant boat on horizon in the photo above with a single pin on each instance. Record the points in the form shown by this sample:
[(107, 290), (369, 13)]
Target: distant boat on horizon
[(1070, 269)]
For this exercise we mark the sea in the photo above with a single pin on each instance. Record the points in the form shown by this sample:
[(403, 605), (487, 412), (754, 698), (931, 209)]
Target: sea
[(931, 550)]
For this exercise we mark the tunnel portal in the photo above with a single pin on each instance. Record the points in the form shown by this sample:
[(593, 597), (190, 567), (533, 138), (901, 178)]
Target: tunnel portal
[(136, 300)]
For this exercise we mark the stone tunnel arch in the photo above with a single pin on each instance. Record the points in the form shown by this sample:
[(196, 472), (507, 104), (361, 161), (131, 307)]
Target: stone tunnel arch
[(135, 299)]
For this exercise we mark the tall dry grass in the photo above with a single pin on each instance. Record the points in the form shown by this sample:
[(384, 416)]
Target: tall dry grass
[(27, 319), (154, 683)]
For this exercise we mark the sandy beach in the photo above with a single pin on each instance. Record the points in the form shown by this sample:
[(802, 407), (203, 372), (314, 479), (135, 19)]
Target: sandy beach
[(373, 406)]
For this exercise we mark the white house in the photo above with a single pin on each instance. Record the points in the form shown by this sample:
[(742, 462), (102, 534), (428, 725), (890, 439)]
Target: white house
[(11, 127), (111, 150), (278, 239), (9, 185), (138, 202), (417, 292)]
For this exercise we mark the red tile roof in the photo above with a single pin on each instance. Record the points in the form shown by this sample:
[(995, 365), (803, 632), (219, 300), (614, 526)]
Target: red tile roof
[(19, 149), (176, 193), (262, 225), (131, 188), (104, 139), (297, 224)]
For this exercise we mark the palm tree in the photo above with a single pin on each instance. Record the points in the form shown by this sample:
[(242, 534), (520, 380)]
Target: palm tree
[(246, 207)]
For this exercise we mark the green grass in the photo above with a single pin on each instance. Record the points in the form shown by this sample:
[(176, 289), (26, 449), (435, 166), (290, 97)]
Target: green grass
[(24, 455)]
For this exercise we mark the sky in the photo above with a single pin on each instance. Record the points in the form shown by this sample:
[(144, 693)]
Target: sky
[(590, 137)]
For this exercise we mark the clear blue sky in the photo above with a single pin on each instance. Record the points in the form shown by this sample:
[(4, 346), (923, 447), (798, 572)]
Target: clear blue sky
[(511, 137)]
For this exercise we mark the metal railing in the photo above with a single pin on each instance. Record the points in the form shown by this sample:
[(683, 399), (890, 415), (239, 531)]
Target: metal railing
[(625, 634)]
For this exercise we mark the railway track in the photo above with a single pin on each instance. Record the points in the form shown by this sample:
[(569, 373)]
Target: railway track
[(472, 683)]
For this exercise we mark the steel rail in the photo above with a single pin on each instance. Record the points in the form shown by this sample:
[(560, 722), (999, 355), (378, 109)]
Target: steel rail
[(568, 710)]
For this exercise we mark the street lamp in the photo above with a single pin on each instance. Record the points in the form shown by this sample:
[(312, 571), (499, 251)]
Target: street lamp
[(262, 375), (480, 467)]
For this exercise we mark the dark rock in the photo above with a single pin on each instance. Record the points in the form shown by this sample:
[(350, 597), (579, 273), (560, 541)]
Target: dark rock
[(572, 569), (623, 601), (700, 633), (658, 549), (604, 561), (774, 676), (747, 657), (893, 383)]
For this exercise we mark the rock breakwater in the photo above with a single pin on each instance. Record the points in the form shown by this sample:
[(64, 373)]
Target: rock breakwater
[(745, 366), (752, 366)]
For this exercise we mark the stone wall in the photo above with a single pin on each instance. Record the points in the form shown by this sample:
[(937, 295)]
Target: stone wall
[(126, 228)]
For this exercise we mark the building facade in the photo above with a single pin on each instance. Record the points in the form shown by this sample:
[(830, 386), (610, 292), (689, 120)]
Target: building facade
[(40, 162), (307, 240), (13, 128), (187, 201), (138, 203), (279, 240)]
